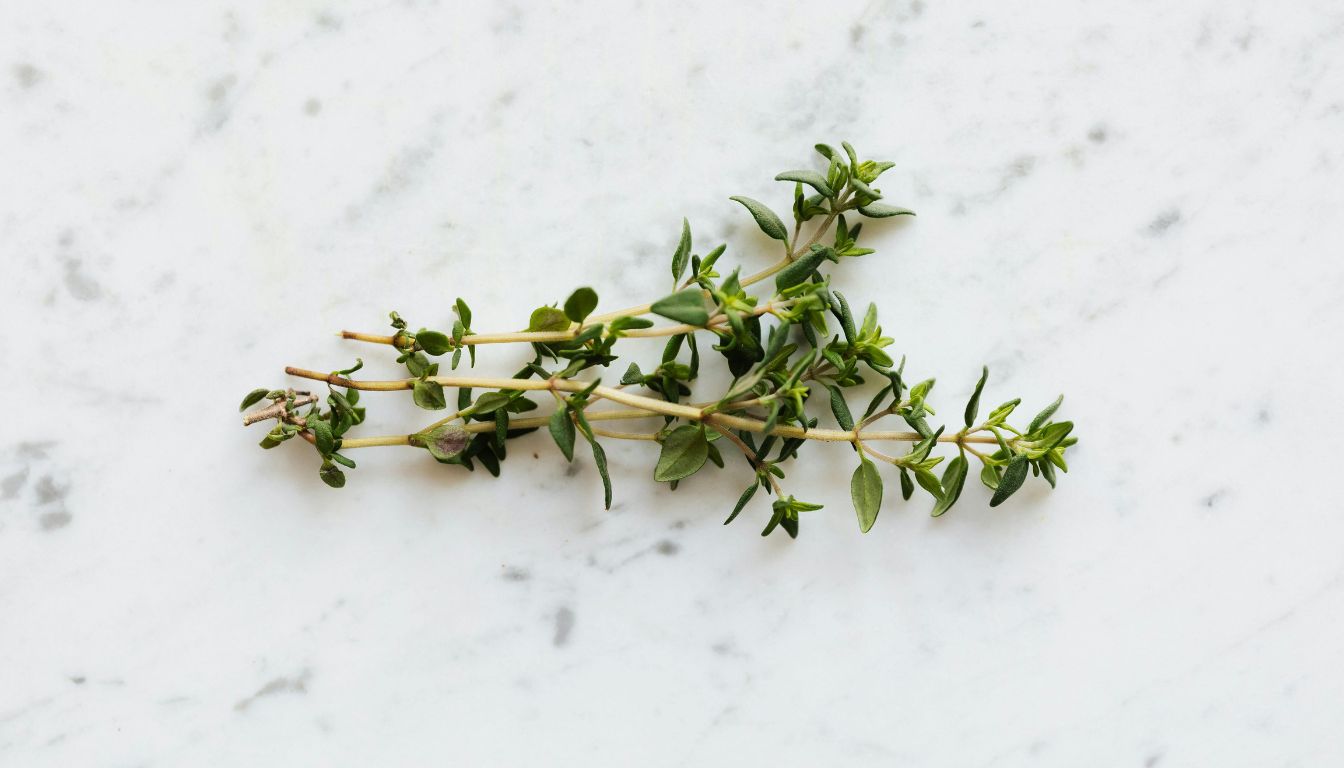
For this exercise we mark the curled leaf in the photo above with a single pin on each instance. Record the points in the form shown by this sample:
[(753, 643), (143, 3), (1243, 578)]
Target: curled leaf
[(253, 397), (813, 179), (882, 211)]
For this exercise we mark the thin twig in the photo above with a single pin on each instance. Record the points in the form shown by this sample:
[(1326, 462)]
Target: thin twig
[(279, 409)]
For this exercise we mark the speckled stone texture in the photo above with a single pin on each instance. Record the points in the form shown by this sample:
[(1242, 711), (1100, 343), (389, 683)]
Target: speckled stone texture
[(1135, 203)]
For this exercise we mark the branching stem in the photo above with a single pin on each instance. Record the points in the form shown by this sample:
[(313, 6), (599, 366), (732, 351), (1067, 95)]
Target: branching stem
[(648, 404)]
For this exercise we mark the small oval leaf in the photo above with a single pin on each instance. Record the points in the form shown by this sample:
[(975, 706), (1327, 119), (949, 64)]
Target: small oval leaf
[(433, 342), (429, 395), (684, 452), (547, 319), (865, 489), (686, 306), (766, 219), (447, 442), (580, 304)]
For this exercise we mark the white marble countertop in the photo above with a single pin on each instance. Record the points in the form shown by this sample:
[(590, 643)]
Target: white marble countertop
[(1137, 205)]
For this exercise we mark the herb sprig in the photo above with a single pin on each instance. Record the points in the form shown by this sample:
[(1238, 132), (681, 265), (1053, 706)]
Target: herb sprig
[(795, 342)]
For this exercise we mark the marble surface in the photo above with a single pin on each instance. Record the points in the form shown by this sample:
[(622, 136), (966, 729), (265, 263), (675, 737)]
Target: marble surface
[(1136, 204)]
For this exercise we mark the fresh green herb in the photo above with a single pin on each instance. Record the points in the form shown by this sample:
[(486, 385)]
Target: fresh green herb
[(779, 345)]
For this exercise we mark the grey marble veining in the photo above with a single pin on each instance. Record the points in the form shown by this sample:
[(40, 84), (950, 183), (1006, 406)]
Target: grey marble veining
[(1135, 204)]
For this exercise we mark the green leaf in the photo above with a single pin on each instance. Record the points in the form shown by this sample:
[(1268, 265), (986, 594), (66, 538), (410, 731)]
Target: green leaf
[(622, 324), (973, 407), (1045, 415), (853, 156), (800, 271), (929, 482), (463, 313), (775, 519), (882, 211), (600, 459), (684, 453), (547, 319), (253, 398), (742, 501), (489, 403), (954, 477), (632, 375), (686, 306), (562, 431), (865, 488), (826, 151), (682, 253), (813, 179), (580, 304), (1013, 477), (907, 485), (428, 395), (1049, 437), (433, 342), (487, 457), (869, 327), (1047, 471), (866, 194), (766, 219), (840, 408), (323, 438), (921, 391), (846, 316), (1056, 457), (997, 415), (332, 475), (989, 475)]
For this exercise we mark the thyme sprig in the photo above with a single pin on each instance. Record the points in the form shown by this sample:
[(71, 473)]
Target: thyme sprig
[(785, 346)]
